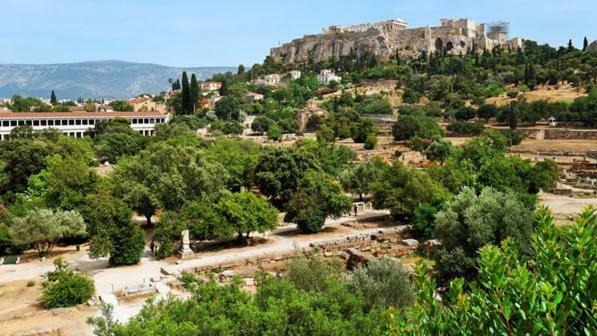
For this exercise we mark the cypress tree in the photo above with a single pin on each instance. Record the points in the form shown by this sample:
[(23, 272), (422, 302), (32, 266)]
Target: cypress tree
[(186, 94), (241, 70), (570, 45), (224, 89), (53, 99), (585, 44), (194, 92)]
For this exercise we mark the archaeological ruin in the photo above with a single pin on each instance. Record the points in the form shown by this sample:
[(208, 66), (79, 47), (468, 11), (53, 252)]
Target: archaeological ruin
[(385, 38)]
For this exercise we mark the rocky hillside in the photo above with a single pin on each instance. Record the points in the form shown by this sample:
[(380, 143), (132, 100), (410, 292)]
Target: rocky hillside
[(99, 79)]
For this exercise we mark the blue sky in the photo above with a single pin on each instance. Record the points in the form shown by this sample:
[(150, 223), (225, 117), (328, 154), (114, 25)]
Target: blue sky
[(229, 32)]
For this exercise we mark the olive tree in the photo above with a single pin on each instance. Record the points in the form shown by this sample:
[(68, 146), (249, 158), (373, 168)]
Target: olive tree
[(43, 228)]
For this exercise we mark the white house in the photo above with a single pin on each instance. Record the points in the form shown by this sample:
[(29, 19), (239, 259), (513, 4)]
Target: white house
[(211, 86), (295, 74), (326, 76)]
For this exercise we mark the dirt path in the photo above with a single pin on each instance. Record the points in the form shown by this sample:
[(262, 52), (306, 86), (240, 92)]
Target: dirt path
[(108, 279)]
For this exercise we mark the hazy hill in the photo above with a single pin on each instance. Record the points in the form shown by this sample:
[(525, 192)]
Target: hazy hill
[(98, 79)]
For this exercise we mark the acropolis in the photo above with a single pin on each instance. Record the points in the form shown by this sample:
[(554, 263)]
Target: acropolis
[(385, 38)]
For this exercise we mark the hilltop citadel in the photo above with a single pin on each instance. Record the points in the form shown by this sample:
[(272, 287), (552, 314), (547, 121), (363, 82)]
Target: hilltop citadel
[(385, 38)]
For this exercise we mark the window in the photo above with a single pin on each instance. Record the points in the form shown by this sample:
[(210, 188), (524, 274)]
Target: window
[(134, 121), (13, 123), (50, 122), (152, 121), (71, 122), (78, 122), (84, 121), (64, 122), (21, 122), (43, 122), (92, 122), (4, 123), (28, 122), (35, 122)]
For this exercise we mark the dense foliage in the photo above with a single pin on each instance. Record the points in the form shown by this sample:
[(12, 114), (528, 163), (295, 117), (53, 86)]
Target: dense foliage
[(65, 288)]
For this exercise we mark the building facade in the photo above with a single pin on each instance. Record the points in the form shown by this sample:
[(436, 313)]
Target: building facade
[(326, 76), (77, 124)]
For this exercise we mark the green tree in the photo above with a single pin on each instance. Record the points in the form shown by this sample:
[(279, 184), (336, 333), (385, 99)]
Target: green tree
[(274, 132), (111, 229), (186, 103), (202, 219), (469, 221), (173, 175), (116, 139), (64, 183), (53, 99), (21, 158), (44, 228), (245, 213), (362, 130), (409, 126), (519, 293), (227, 108), (316, 198), (359, 178), (241, 70), (194, 93), (238, 156), (439, 150), (261, 124), (585, 44), (278, 171), (65, 288), (139, 198), (402, 190)]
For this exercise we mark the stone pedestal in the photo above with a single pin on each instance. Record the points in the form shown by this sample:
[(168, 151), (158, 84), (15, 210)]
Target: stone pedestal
[(186, 252)]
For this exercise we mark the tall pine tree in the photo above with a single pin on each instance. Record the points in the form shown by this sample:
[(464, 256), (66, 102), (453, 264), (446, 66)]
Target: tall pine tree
[(194, 92), (585, 44), (570, 45), (241, 70), (53, 99), (186, 95)]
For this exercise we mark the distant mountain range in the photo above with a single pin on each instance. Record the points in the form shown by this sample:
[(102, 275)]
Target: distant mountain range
[(97, 79)]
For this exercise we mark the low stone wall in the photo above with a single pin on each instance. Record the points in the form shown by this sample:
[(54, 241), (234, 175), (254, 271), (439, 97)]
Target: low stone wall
[(378, 244), (560, 133), (384, 242)]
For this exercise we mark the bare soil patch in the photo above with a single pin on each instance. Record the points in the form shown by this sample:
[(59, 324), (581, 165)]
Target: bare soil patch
[(21, 312), (534, 145), (550, 93)]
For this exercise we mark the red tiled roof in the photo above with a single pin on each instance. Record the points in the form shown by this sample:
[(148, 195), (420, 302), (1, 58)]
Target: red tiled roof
[(76, 115)]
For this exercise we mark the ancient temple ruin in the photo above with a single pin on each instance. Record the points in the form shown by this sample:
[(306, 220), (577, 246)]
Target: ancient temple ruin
[(385, 38)]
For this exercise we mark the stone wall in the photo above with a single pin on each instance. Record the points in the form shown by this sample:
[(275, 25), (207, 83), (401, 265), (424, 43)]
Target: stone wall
[(560, 133), (390, 241)]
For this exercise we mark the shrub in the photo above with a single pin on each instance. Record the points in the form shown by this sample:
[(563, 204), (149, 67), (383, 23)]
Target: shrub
[(424, 221), (30, 283), (371, 141), (383, 284), (512, 94), (465, 128), (274, 132), (410, 126), (261, 124), (311, 274), (65, 288)]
